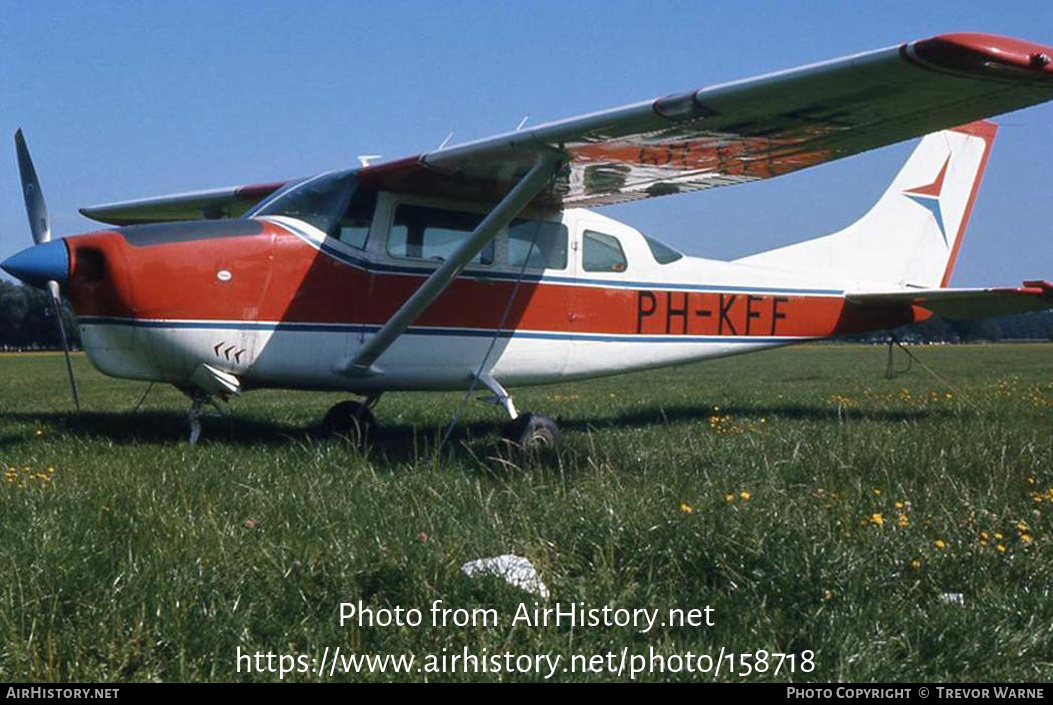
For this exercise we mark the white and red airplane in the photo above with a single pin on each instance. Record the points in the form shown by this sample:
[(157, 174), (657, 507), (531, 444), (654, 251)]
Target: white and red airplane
[(477, 265)]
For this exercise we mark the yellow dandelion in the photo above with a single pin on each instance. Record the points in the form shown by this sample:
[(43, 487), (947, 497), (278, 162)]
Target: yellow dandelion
[(899, 505), (904, 521), (877, 492), (744, 495), (686, 509), (999, 536), (1021, 526), (877, 520), (729, 497), (940, 545), (1025, 538), (915, 564), (1001, 548)]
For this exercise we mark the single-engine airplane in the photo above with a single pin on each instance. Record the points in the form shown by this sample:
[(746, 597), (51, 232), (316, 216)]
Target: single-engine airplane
[(478, 264)]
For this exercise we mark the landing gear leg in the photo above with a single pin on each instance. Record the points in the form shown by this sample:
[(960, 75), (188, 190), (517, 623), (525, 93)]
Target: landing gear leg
[(500, 396), (532, 432), (197, 411)]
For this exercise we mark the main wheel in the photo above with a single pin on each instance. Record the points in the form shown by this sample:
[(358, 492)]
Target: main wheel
[(533, 432), (350, 419)]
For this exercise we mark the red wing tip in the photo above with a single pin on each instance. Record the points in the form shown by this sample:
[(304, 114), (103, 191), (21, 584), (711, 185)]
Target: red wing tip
[(1041, 285), (982, 53)]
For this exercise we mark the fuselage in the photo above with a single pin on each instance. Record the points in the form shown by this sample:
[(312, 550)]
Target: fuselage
[(275, 302)]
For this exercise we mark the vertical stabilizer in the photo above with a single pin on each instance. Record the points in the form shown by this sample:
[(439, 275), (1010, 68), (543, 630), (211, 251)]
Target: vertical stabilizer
[(911, 237)]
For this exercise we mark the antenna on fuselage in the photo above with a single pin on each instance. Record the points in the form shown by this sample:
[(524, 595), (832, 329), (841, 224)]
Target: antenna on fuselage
[(445, 141), (522, 122)]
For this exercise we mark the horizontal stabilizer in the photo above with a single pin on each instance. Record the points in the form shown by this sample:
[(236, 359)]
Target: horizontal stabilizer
[(959, 304)]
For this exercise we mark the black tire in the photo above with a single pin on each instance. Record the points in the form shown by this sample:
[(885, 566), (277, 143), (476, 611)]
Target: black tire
[(350, 419), (534, 432)]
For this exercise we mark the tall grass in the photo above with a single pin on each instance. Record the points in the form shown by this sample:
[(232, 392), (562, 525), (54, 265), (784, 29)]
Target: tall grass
[(812, 503)]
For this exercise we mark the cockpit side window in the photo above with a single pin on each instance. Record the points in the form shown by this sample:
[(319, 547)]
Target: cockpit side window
[(602, 253), (424, 232)]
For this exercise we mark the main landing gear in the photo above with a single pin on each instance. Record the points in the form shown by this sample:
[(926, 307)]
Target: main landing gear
[(353, 420), (531, 432)]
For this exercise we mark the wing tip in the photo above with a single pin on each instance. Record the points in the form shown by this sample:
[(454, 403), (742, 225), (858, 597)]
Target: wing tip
[(1045, 287), (986, 55)]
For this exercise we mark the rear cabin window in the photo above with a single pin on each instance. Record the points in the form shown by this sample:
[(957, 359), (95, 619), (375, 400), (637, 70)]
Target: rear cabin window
[(538, 244), (662, 253), (602, 253), (424, 232)]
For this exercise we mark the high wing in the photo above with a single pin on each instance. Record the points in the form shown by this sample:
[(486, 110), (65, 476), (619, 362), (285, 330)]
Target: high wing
[(725, 134), (960, 304)]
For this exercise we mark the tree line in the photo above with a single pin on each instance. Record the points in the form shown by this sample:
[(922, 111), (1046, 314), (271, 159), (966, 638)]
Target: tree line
[(27, 323)]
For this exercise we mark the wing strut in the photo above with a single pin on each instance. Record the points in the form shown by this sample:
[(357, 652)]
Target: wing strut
[(502, 214)]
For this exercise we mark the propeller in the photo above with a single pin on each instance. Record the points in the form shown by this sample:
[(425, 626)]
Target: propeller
[(37, 210)]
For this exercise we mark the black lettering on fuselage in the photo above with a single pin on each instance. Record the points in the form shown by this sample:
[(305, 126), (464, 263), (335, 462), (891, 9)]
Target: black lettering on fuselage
[(641, 312), (706, 313), (776, 314), (724, 309), (750, 313), (671, 313)]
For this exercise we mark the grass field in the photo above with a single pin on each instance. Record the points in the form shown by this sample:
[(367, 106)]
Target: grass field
[(812, 503)]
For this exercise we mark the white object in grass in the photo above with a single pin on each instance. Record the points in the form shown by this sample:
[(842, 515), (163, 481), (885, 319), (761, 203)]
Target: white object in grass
[(516, 571)]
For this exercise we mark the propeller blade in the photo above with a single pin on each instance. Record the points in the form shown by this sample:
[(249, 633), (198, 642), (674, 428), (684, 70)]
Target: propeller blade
[(37, 210), (35, 206), (56, 308)]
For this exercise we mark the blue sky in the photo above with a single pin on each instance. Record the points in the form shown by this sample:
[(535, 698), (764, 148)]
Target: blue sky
[(130, 99)]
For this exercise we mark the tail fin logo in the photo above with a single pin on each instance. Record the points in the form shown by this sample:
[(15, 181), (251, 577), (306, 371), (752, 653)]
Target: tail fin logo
[(928, 197)]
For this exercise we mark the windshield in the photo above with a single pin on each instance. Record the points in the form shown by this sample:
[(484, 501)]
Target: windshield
[(663, 254), (320, 201)]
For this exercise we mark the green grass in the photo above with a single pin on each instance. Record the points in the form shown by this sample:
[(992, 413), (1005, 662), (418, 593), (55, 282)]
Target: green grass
[(135, 561)]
